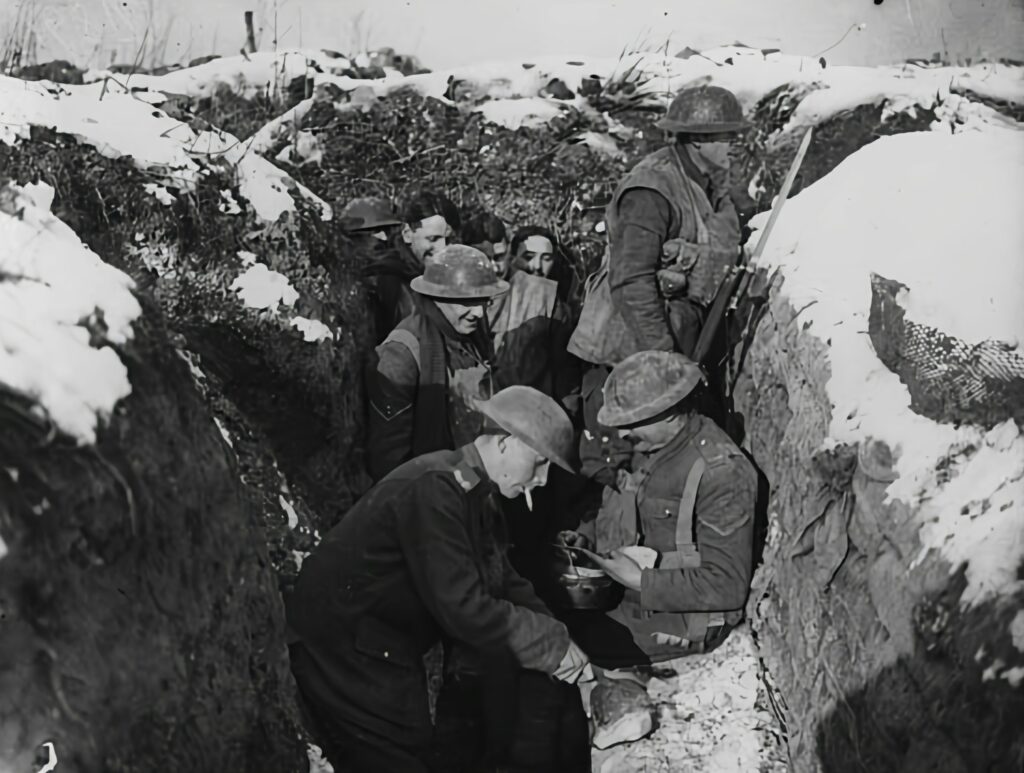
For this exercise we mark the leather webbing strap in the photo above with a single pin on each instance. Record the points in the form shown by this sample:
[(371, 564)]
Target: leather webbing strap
[(686, 554)]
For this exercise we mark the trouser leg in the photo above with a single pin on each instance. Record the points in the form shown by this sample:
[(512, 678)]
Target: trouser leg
[(551, 731)]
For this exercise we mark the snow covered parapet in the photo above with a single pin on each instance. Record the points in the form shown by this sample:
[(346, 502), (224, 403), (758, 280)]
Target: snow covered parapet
[(887, 604), (939, 214), (120, 124), (60, 308)]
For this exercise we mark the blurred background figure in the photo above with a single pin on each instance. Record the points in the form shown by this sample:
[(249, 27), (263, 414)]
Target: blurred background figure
[(487, 233), (427, 222)]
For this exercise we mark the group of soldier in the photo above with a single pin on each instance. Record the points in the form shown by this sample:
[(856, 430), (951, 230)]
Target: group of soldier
[(490, 368)]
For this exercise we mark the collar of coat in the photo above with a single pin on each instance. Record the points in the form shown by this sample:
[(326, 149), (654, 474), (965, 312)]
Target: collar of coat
[(469, 472)]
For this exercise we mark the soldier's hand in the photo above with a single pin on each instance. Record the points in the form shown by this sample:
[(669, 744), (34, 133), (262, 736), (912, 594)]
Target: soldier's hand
[(573, 539), (572, 665), (621, 568)]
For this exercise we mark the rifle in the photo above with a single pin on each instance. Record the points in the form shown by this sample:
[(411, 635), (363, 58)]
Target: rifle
[(734, 284)]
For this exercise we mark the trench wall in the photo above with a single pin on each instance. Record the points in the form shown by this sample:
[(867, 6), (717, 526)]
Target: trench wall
[(875, 663)]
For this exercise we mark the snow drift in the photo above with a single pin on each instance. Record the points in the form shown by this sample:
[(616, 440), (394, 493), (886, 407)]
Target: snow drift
[(244, 261), (892, 574)]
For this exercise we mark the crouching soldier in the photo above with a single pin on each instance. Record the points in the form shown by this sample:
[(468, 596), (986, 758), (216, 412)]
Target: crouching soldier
[(419, 558), (679, 534), (426, 374)]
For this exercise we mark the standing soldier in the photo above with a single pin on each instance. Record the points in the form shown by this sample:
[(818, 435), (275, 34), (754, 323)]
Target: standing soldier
[(673, 232), (425, 376), (689, 504), (673, 229)]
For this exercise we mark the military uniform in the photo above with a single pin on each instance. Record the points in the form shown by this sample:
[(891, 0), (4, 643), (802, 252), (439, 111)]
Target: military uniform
[(672, 613), (424, 378), (415, 559), (673, 233), (672, 195), (388, 274), (421, 384)]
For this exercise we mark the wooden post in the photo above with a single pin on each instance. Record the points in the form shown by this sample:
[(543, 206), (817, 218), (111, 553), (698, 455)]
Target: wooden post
[(250, 34)]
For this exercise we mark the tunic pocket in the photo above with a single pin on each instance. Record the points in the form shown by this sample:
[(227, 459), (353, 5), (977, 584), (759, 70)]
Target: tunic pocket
[(658, 516)]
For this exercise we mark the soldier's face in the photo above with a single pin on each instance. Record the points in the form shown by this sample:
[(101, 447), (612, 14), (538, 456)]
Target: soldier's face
[(523, 468), (653, 435), (464, 317), (715, 148), (498, 254), (427, 237), (538, 253)]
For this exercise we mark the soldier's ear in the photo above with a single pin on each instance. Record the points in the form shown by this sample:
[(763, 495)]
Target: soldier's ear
[(406, 233)]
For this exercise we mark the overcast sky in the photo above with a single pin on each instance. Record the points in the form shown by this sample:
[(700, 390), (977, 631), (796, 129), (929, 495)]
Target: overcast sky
[(449, 32)]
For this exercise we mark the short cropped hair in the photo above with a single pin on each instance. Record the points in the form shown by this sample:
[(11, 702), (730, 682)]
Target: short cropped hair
[(417, 206)]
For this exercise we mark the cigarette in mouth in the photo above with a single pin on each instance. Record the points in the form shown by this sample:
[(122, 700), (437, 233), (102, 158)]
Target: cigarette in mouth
[(529, 500)]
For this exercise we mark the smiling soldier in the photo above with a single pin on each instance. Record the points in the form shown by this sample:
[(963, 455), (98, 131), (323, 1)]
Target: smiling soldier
[(679, 534), (426, 374)]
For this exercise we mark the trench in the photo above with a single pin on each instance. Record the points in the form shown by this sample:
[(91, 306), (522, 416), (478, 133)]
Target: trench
[(856, 655)]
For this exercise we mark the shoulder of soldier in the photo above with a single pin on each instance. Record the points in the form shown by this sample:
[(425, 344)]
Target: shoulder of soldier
[(448, 470), (399, 352), (722, 457)]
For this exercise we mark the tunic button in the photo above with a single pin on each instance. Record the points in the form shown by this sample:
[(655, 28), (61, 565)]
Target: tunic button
[(702, 442), (387, 654)]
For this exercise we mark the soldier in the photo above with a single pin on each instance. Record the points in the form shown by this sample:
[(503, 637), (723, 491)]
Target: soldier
[(487, 233), (371, 224), (419, 558), (689, 505), (424, 377), (673, 231), (535, 249), (369, 221), (429, 222)]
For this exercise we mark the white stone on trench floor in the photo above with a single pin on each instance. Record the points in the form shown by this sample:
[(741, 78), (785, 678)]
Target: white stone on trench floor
[(712, 718)]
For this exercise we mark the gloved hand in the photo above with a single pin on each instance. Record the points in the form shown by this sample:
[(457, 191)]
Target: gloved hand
[(573, 664)]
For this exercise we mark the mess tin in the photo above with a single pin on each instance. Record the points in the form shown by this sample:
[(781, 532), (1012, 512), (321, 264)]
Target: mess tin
[(579, 586)]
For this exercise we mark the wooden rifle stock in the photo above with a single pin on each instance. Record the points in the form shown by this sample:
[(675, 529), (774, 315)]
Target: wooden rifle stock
[(730, 284)]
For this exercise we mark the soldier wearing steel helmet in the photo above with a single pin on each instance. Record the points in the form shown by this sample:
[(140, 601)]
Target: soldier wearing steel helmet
[(371, 225), (424, 377), (420, 558), (673, 231), (679, 534)]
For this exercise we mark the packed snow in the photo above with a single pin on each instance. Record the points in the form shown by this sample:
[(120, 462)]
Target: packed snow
[(118, 123), (514, 94), (940, 213), (259, 287), (313, 330), (712, 717), (249, 75), (61, 307)]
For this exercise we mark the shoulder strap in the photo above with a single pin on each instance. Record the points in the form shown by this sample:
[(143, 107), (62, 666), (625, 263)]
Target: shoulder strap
[(686, 555), (408, 340)]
